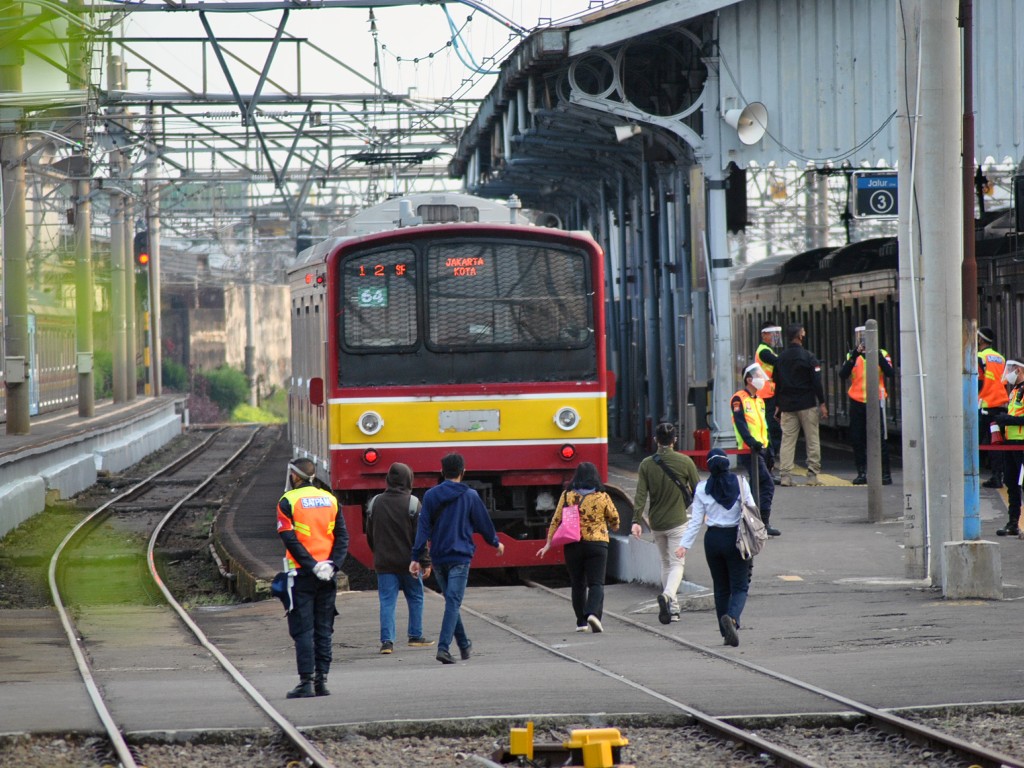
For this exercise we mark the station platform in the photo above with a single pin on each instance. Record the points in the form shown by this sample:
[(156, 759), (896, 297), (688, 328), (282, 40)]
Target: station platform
[(63, 453), (829, 604)]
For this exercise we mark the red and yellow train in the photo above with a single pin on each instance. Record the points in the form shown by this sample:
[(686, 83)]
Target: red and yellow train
[(460, 333)]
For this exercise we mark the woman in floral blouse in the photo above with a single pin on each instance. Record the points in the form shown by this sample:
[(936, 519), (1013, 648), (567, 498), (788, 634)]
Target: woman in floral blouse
[(587, 558)]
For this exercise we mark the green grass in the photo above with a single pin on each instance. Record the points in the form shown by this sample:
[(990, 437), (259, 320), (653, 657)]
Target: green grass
[(250, 414)]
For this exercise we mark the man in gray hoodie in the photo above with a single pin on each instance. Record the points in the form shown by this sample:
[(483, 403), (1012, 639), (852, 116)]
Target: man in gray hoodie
[(391, 521)]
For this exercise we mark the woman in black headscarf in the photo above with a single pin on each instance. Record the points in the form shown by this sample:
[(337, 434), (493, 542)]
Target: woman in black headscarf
[(717, 503)]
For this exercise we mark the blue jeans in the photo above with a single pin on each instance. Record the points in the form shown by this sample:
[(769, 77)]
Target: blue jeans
[(452, 578), (730, 573), (311, 623), (388, 585)]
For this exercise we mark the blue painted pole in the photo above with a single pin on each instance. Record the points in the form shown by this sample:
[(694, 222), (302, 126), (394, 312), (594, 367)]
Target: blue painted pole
[(972, 487)]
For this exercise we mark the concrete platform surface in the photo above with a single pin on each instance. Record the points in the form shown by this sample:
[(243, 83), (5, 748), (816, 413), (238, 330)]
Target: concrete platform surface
[(829, 604)]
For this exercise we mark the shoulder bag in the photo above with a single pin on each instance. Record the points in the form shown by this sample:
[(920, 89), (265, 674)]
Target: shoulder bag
[(568, 531), (751, 533), (684, 488)]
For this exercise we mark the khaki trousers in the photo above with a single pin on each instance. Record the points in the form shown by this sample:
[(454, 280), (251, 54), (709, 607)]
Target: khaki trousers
[(792, 423)]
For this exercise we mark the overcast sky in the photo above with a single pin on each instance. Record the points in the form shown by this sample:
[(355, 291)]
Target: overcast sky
[(414, 46)]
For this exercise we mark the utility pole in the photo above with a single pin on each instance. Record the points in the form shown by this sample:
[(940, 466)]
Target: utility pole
[(15, 273), (81, 173), (119, 258), (153, 225)]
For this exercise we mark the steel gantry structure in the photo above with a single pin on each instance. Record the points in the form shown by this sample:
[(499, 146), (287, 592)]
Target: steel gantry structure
[(238, 153)]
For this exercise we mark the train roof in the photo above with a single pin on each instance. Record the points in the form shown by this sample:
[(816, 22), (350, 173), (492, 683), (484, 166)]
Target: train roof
[(429, 208), (862, 256)]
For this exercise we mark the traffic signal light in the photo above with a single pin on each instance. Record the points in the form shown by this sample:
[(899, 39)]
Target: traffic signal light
[(142, 248)]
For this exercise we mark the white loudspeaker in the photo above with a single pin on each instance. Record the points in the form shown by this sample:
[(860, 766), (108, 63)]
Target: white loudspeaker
[(623, 132), (750, 123)]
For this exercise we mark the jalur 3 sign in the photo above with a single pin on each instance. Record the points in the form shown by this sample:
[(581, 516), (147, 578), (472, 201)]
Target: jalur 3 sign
[(874, 195)]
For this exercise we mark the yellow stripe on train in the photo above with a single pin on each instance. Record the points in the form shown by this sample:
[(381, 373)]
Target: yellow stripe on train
[(461, 420)]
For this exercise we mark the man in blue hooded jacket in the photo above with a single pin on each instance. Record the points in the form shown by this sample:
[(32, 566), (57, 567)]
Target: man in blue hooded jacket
[(452, 512)]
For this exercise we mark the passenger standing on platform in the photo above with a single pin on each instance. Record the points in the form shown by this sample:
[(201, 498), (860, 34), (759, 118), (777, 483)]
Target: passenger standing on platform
[(800, 400), (854, 369), (661, 476), (717, 503), (392, 518), (316, 542), (766, 356), (751, 428), (1012, 423), (452, 513), (586, 559), (992, 399)]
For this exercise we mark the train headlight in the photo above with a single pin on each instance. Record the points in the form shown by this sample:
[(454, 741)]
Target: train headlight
[(370, 423), (567, 418), (567, 452)]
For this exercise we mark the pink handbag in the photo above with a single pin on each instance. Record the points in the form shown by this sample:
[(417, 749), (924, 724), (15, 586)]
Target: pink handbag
[(568, 530)]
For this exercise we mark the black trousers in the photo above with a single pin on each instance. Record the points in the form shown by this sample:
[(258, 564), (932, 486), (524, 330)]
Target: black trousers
[(859, 438), (765, 484), (993, 459), (774, 428), (1012, 462), (586, 562), (311, 623)]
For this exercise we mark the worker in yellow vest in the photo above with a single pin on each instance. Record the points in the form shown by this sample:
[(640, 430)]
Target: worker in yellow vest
[(766, 355), (1012, 424), (854, 369), (992, 399), (751, 428)]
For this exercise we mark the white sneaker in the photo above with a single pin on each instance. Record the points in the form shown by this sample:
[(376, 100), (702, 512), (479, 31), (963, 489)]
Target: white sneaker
[(676, 617), (583, 628), (595, 623)]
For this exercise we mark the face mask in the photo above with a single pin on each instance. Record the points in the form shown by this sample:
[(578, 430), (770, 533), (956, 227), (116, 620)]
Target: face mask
[(1010, 377), (758, 382)]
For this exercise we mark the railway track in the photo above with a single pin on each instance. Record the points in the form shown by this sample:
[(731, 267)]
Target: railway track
[(127, 630), (874, 735)]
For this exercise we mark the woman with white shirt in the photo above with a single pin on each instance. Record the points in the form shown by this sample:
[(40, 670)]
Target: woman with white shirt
[(716, 502)]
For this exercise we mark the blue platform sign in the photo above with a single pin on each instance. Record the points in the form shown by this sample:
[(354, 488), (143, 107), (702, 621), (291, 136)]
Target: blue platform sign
[(875, 195)]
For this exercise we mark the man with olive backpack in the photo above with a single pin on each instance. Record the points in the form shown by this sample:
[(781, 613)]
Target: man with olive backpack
[(667, 478)]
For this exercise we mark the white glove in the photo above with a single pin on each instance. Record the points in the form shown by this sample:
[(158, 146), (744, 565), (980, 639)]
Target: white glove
[(324, 570)]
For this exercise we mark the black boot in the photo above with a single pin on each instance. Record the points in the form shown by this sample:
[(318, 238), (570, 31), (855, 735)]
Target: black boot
[(861, 478), (320, 684), (768, 526), (886, 478), (304, 689), (996, 481), (1012, 528)]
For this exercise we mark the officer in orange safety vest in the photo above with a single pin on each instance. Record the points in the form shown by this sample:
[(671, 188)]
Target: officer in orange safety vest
[(992, 399), (1012, 424), (854, 369), (751, 428), (316, 542), (766, 355)]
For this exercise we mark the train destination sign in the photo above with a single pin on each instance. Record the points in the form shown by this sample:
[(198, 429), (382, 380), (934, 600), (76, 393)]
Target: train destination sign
[(875, 195)]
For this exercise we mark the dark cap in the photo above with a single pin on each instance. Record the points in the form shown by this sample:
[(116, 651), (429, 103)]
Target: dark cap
[(987, 334)]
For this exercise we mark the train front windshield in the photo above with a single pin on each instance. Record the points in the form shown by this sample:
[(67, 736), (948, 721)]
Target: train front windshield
[(461, 311)]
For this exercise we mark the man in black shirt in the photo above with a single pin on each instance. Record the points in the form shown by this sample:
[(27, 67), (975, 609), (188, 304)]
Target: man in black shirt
[(800, 400)]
